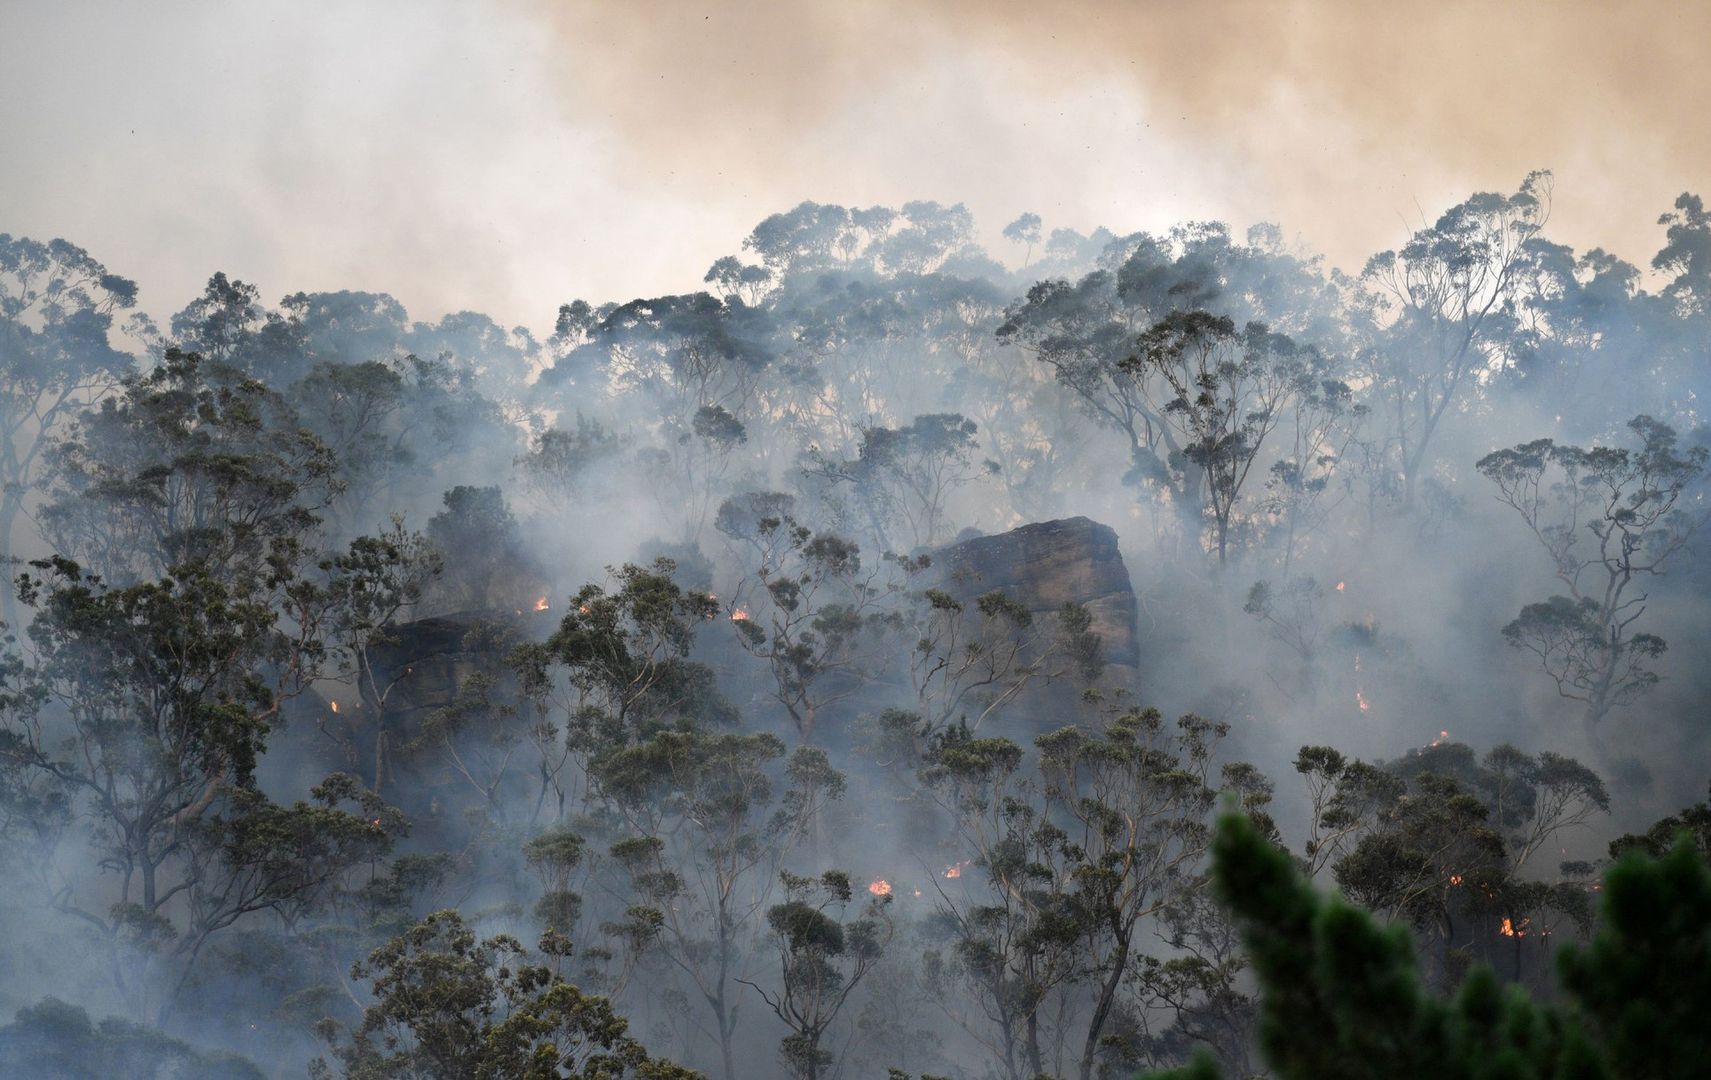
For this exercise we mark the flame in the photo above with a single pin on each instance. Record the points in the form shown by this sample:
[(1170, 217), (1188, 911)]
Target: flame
[(879, 887), (1340, 585), (375, 822), (541, 604), (582, 609), (739, 615), (1515, 929), (335, 705), (1443, 737), (917, 894), (954, 871), (1360, 699), (1455, 879)]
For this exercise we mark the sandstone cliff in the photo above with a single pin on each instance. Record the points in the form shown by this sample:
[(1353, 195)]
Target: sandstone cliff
[(1046, 565)]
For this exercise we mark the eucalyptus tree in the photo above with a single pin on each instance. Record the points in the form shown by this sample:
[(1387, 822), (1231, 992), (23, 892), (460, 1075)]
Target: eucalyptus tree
[(1085, 332), (690, 366), (1014, 947), (1223, 392), (374, 581), (228, 324), (1025, 230), (1687, 254), (1301, 490), (1136, 799), (709, 820), (190, 462), (1608, 518), (565, 465), (615, 671), (971, 660), (820, 620), (735, 278), (359, 411), (821, 960), (904, 476), (1444, 304), (450, 1006), (810, 235), (490, 566), (1447, 840), (57, 357), (164, 694), (867, 349), (1584, 328)]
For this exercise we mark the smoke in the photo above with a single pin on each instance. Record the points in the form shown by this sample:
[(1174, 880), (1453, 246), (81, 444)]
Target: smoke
[(511, 157), (508, 156), (1342, 120)]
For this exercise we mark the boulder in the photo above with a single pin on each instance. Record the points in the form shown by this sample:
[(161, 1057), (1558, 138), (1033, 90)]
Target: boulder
[(1047, 565), (428, 659)]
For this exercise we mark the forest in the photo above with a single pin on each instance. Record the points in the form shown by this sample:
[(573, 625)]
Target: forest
[(1110, 654)]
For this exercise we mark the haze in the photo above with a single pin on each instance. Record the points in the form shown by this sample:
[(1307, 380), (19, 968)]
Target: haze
[(507, 156)]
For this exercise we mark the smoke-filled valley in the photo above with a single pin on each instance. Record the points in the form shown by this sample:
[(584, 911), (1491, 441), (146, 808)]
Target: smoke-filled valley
[(840, 670)]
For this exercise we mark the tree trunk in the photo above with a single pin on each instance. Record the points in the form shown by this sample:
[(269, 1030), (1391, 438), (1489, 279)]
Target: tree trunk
[(11, 503), (1035, 1064), (1102, 1011), (722, 1018)]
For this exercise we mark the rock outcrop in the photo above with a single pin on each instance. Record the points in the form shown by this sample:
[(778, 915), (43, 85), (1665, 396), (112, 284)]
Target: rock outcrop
[(1041, 566), (429, 658), (1046, 565)]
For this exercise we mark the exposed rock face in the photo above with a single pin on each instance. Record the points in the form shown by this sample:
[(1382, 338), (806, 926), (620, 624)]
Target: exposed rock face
[(419, 672), (1042, 566), (430, 657), (1047, 565)]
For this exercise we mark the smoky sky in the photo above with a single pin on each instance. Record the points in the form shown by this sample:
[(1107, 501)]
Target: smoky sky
[(507, 156)]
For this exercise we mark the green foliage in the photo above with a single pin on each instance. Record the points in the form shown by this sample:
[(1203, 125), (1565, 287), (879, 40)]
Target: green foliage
[(479, 539), (192, 462), (1223, 391), (57, 305), (1632, 504), (1644, 980), (904, 476), (821, 961), (450, 1007), (56, 1041), (1341, 997), (625, 653), (1694, 821), (824, 625)]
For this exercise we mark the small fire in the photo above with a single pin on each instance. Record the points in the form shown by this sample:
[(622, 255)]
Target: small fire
[(879, 887), (1360, 699), (917, 894), (1443, 737), (1340, 585), (582, 609), (954, 871), (1515, 929), (335, 705), (739, 615), (1455, 879), (541, 604), (375, 822)]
